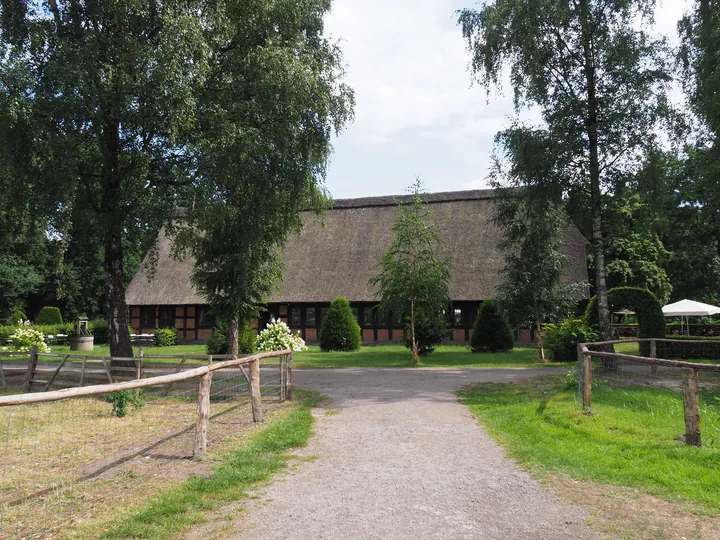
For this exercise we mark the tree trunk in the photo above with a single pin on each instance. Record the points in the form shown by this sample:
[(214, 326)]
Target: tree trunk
[(595, 192), (232, 335), (415, 354), (111, 216), (538, 334), (118, 333)]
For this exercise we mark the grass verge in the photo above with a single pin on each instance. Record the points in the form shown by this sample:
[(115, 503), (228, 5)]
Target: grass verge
[(629, 441), (398, 356), (178, 508)]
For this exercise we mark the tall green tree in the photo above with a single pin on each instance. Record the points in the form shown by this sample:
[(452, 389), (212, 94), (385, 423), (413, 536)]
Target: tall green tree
[(698, 55), (413, 276), (533, 225), (99, 101), (274, 96), (596, 75)]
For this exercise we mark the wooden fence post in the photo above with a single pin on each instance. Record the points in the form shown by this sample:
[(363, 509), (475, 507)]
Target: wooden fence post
[(255, 397), (691, 404), (32, 364), (203, 417), (140, 363), (585, 367), (653, 354), (288, 378), (282, 378)]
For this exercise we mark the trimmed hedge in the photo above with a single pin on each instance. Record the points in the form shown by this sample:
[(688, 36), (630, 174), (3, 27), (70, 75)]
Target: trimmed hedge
[(491, 331), (689, 351), (49, 315), (165, 337), (430, 330), (217, 342), (647, 308), (339, 331)]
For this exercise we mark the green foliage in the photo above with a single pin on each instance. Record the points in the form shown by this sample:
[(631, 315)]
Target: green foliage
[(412, 276), (99, 330), (261, 159), (571, 379), (48, 316), (651, 321), (248, 337), (5, 333), (277, 336), (123, 399), (580, 64), (430, 330), (17, 317), (534, 228), (635, 254), (217, 342), (165, 337), (562, 339), (339, 331), (491, 331)]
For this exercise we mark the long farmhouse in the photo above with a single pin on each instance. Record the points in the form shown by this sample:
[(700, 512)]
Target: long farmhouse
[(336, 256)]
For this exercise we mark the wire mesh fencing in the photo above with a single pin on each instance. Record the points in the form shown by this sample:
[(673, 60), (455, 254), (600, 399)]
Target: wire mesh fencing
[(675, 383), (69, 453)]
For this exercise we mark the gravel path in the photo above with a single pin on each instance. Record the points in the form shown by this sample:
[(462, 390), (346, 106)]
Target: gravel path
[(404, 460)]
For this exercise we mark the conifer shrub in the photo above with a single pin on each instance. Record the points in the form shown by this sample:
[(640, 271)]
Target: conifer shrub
[(49, 316), (491, 331), (430, 330), (339, 331), (217, 342)]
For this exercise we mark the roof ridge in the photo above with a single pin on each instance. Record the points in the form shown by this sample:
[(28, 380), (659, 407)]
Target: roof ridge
[(392, 200)]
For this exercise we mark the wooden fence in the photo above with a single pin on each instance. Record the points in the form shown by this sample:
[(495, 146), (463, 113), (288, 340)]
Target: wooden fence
[(690, 371), (204, 373)]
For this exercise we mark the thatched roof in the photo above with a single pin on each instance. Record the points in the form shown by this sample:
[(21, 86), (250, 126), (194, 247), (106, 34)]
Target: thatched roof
[(337, 254)]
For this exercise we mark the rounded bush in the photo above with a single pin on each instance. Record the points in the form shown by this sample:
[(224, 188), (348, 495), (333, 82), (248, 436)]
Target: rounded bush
[(562, 339), (339, 331), (217, 342), (101, 331), (49, 316), (165, 337), (277, 336), (430, 330), (491, 331), (647, 308)]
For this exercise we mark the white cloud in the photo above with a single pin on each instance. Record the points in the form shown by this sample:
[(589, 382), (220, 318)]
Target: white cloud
[(416, 110)]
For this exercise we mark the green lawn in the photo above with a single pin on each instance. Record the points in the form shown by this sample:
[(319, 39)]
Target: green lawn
[(394, 356), (170, 513), (629, 441), (398, 356)]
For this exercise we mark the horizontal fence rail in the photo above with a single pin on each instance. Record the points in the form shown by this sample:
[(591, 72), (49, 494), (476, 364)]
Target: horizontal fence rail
[(623, 370), (61, 446)]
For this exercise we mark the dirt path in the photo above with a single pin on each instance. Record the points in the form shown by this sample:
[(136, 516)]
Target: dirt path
[(404, 460)]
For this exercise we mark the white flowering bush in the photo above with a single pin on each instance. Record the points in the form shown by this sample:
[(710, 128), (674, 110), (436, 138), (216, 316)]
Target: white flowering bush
[(25, 338), (277, 336)]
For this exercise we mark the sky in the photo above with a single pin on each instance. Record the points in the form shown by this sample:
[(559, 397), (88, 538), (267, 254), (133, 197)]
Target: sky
[(417, 113)]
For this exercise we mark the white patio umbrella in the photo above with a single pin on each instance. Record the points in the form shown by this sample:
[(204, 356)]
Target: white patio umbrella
[(689, 308)]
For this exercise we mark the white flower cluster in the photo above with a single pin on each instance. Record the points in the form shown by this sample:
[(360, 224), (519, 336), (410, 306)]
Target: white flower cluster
[(24, 338), (277, 336)]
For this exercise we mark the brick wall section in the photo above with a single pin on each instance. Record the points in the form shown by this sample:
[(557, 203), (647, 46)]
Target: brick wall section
[(368, 335), (310, 334)]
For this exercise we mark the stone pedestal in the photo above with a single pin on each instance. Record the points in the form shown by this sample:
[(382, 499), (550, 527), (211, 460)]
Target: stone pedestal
[(81, 343)]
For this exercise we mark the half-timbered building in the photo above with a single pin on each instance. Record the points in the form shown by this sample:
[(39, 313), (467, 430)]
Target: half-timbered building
[(336, 255)]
